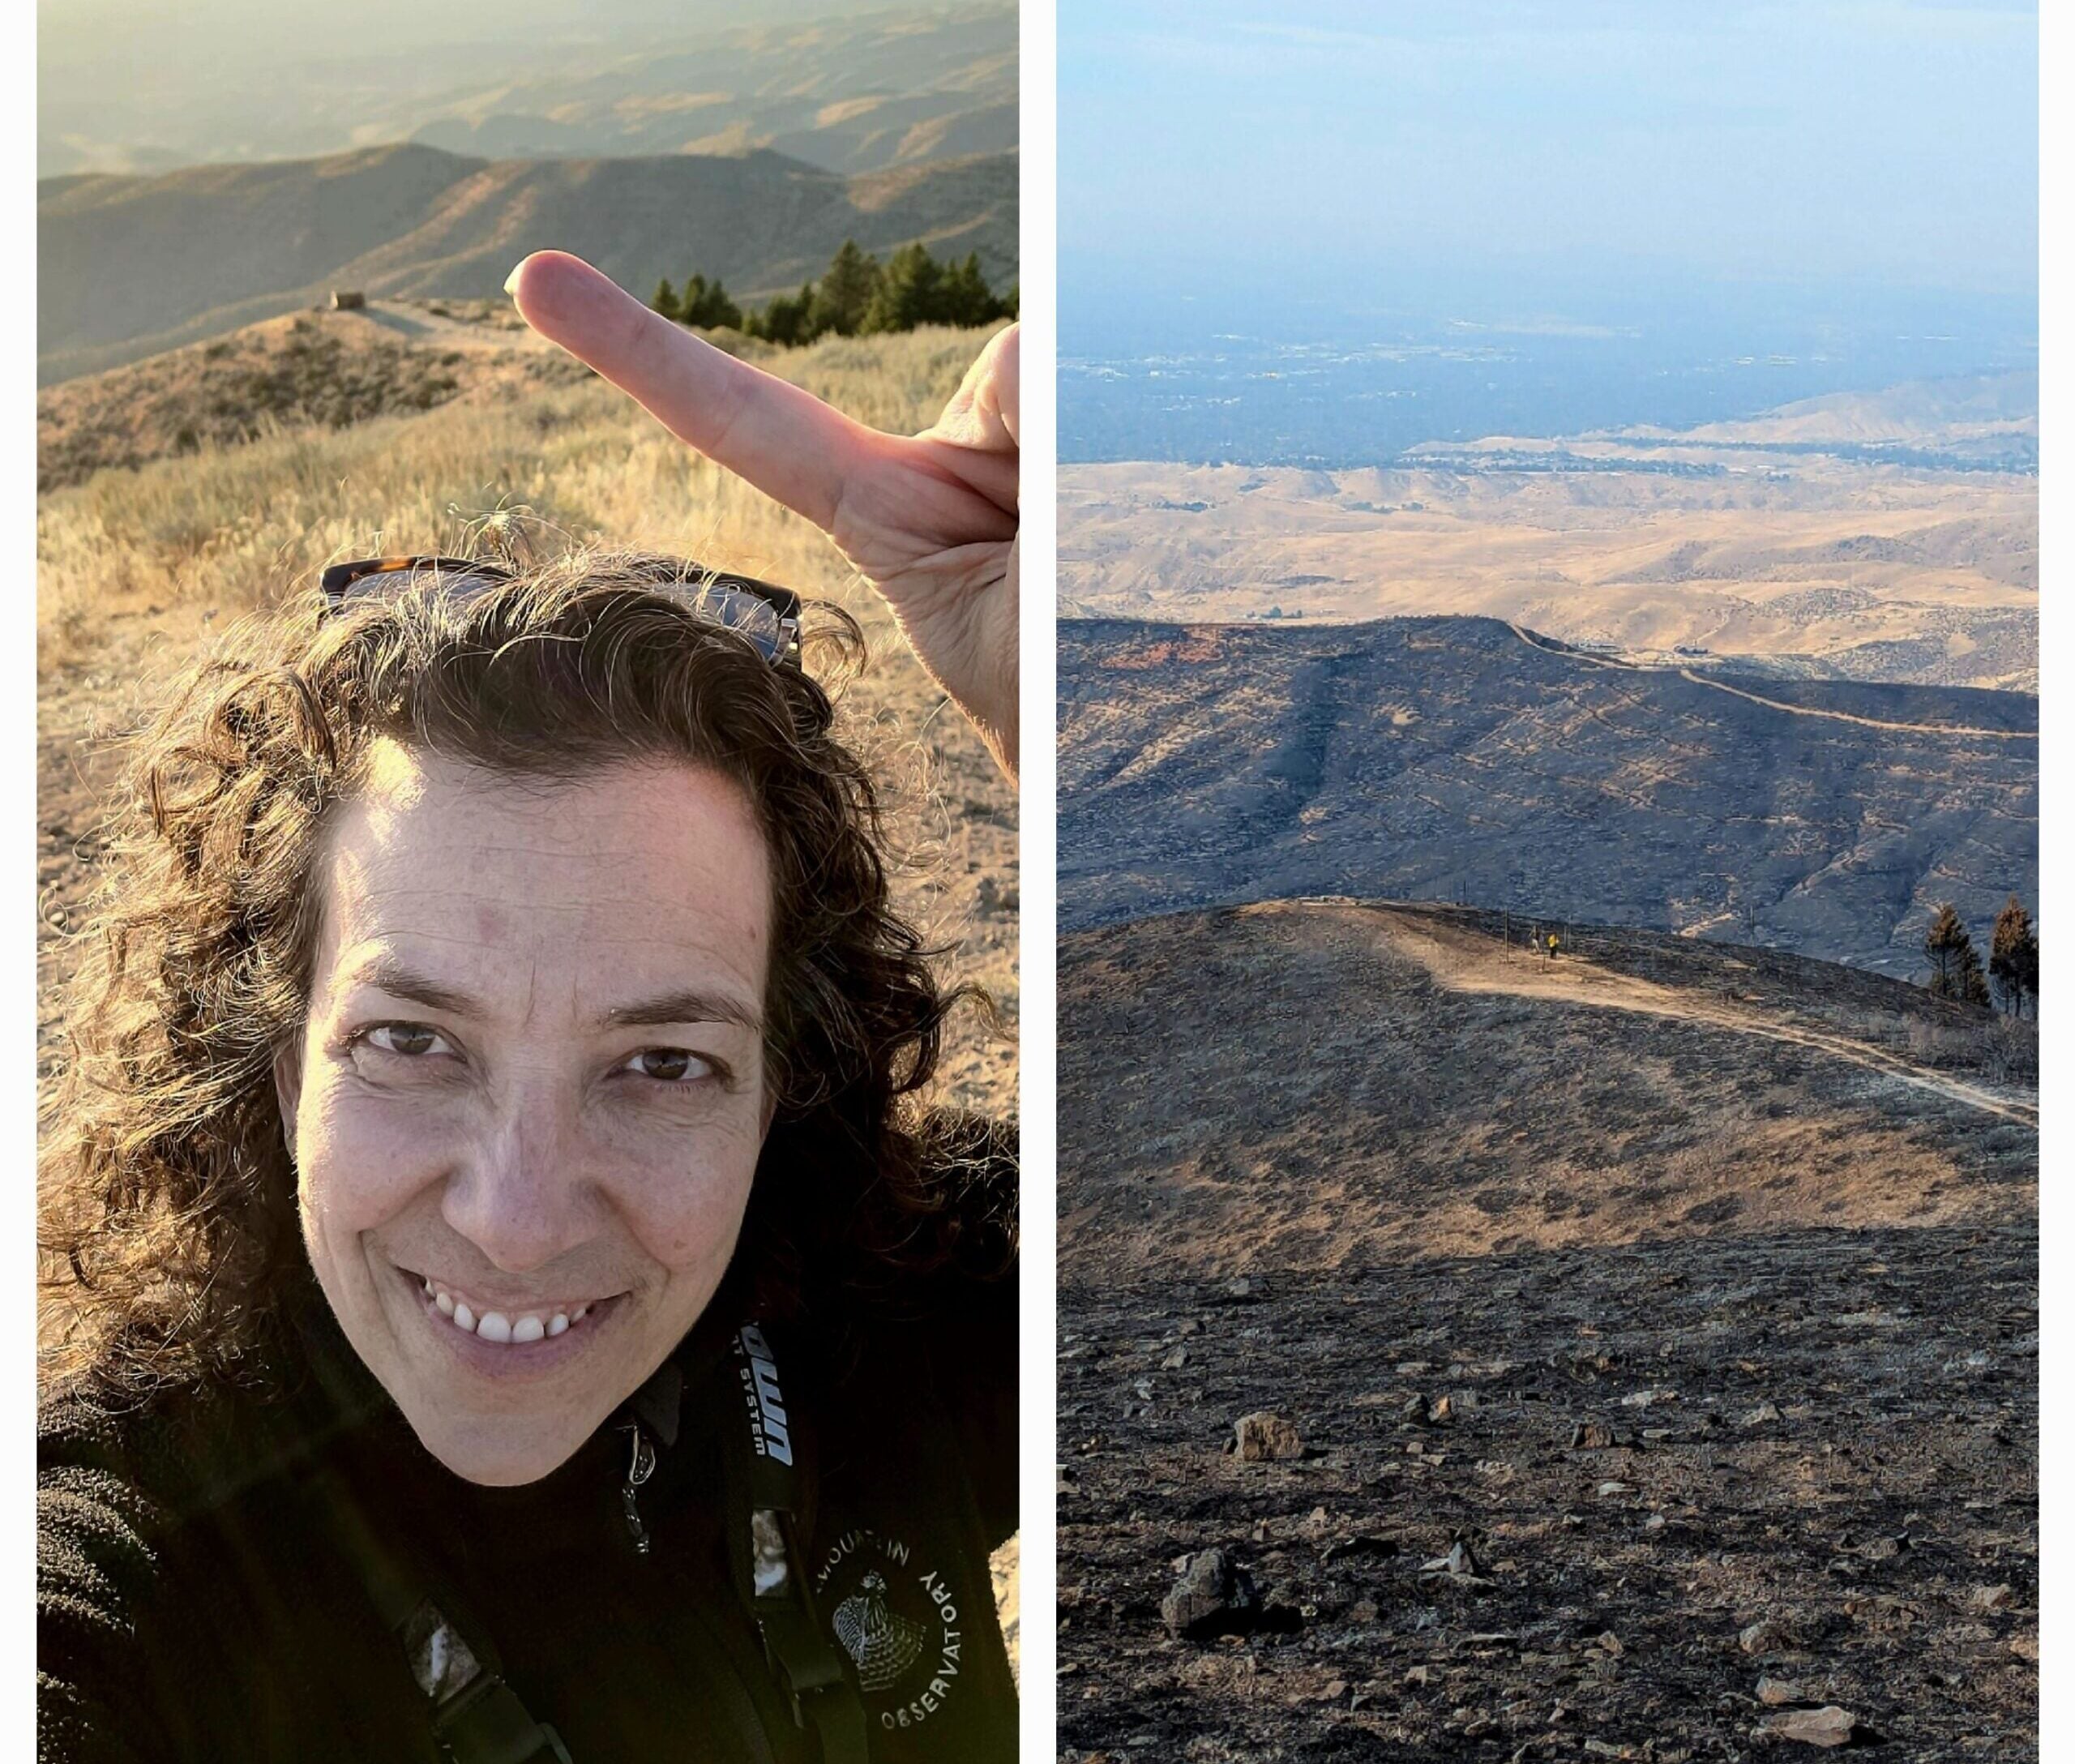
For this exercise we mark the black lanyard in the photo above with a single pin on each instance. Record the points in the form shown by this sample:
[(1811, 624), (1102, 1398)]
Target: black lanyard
[(478, 1718)]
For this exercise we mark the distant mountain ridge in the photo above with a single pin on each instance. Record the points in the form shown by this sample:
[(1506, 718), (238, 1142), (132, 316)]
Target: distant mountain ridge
[(858, 91), (130, 266), (1460, 759)]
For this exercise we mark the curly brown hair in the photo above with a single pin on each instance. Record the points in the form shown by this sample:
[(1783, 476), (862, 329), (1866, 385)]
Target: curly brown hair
[(169, 1201)]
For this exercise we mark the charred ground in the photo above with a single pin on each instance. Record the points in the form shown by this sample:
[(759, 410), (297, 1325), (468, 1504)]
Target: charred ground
[(1690, 1289), (1458, 759)]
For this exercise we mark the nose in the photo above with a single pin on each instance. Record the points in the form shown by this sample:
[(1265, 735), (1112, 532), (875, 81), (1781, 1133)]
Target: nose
[(520, 1192)]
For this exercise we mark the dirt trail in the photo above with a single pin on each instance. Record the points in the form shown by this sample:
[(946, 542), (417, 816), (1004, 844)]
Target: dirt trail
[(1466, 962), (1621, 665), (415, 321)]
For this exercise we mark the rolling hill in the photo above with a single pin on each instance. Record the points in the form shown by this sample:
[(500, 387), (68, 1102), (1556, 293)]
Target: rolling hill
[(1320, 1084), (128, 267), (1884, 536), (1465, 759)]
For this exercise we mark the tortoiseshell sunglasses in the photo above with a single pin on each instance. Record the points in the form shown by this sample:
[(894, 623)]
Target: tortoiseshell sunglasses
[(768, 616)]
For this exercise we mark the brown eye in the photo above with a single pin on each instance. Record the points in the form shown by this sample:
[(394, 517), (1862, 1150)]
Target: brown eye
[(669, 1065)]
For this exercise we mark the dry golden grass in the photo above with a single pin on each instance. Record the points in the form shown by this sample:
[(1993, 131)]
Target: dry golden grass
[(135, 565), (1872, 571)]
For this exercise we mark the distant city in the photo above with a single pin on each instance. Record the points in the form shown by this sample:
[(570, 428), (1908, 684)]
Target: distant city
[(1279, 379)]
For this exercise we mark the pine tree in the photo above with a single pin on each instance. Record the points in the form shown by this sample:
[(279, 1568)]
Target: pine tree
[(667, 300), (1955, 971), (911, 292), (1973, 983), (786, 319), (968, 300), (845, 293), (2013, 956), (713, 308)]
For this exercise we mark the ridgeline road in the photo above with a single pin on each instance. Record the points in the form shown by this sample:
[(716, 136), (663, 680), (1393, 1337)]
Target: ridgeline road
[(1550, 647)]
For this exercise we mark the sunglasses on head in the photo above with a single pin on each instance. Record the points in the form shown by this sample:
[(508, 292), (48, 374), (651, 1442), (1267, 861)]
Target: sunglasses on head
[(768, 616)]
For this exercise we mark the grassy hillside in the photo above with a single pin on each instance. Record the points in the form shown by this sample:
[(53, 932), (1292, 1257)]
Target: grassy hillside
[(130, 267), (137, 566), (1464, 759)]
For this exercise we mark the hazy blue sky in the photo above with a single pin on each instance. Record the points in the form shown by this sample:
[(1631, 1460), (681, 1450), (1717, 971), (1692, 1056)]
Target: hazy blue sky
[(1873, 141)]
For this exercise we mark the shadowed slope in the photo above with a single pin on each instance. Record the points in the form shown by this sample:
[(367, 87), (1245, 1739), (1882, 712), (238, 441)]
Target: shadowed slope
[(1461, 759)]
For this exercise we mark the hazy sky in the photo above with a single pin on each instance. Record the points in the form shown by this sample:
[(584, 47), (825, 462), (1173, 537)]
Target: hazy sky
[(1833, 140)]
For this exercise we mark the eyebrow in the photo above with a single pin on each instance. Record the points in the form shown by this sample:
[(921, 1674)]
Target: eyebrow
[(687, 1004), (686, 1007)]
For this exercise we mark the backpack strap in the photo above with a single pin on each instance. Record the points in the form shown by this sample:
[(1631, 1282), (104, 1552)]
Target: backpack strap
[(766, 1456), (476, 1717)]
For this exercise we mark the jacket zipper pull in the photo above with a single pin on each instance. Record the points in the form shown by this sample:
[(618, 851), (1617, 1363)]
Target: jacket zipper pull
[(641, 1466)]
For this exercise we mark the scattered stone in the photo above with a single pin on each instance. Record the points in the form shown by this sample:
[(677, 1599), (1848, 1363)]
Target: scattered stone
[(1214, 1596), (1591, 1436), (1460, 1565), (1174, 1359), (1609, 1643), (1765, 1637), (1336, 1688), (1610, 1488), (1991, 1598), (1829, 1726), (1419, 1675), (1264, 1436), (1759, 1416), (1782, 1692), (1443, 1411), (1642, 1399)]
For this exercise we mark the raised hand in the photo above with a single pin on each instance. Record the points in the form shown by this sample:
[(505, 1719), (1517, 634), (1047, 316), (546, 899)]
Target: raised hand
[(929, 519)]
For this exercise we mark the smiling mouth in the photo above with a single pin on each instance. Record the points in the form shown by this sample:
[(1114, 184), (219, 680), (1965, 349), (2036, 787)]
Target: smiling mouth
[(505, 1326)]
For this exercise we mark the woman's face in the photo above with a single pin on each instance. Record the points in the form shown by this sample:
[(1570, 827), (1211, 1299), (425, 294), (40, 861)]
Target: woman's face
[(529, 1100)]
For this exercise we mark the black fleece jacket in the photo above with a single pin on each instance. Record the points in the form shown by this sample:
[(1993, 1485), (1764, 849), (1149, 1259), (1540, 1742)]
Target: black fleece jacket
[(194, 1601)]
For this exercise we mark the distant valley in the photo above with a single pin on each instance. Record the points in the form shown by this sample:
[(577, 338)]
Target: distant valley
[(1460, 759), (1796, 544), (128, 267)]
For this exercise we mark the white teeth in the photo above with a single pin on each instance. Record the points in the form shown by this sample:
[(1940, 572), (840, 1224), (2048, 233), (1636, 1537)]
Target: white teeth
[(496, 1326)]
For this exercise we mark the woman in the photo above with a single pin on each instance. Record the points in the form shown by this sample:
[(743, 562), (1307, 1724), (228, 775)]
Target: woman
[(522, 1316)]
